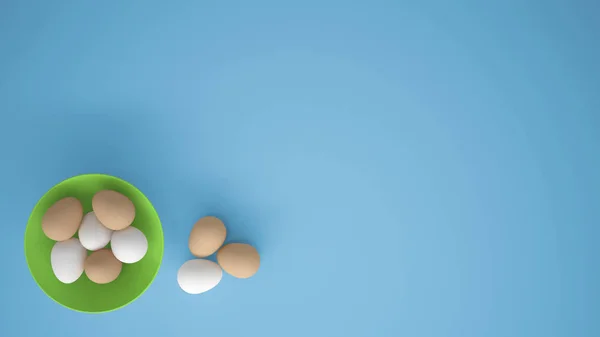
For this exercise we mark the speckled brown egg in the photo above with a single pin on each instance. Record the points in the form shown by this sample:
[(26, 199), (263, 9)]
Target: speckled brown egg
[(208, 234), (61, 221), (239, 260), (102, 266), (113, 209)]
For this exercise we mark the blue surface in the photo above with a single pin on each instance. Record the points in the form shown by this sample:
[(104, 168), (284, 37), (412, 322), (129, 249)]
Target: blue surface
[(405, 169)]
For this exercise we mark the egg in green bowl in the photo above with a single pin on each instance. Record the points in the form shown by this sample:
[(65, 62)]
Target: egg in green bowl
[(84, 295)]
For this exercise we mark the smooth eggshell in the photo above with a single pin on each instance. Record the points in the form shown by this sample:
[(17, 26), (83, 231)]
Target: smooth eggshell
[(102, 266), (92, 234), (207, 235), (61, 220), (67, 260), (239, 260), (129, 245), (198, 276), (113, 209)]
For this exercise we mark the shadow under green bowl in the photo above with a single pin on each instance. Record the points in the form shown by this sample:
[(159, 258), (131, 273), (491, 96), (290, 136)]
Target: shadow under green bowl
[(83, 295)]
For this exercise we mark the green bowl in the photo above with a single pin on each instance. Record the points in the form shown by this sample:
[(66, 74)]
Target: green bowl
[(83, 295)]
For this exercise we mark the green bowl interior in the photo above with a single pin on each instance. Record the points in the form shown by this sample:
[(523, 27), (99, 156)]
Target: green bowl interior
[(84, 295)]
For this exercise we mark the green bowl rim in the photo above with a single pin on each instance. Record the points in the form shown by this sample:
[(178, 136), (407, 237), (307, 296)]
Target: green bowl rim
[(153, 211)]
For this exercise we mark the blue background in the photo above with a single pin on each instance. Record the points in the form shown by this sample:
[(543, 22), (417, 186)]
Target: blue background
[(426, 168)]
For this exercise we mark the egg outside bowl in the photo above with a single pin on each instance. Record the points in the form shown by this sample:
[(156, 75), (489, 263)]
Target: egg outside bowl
[(83, 295)]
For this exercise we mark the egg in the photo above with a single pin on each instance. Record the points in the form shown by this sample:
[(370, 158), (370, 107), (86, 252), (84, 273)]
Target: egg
[(129, 245), (239, 260), (113, 209), (62, 219), (102, 266), (198, 276), (207, 235), (92, 234), (67, 260)]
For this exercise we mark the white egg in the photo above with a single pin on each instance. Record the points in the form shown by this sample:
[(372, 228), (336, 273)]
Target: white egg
[(198, 276), (92, 234), (129, 245), (67, 259)]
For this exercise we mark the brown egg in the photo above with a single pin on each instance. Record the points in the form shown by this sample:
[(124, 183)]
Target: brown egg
[(102, 266), (113, 209), (239, 260), (62, 219), (208, 234)]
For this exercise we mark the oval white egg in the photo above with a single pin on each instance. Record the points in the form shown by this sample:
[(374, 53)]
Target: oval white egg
[(129, 245), (198, 276), (67, 259), (92, 233)]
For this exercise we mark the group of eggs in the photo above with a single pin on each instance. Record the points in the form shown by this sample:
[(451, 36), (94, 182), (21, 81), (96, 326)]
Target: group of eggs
[(109, 222), (237, 259)]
